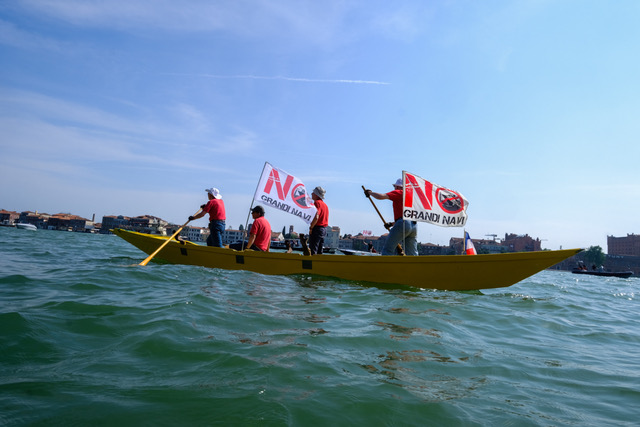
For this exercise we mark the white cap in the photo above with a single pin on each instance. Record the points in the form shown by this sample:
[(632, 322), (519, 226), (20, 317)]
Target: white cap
[(319, 191), (214, 192), (398, 183)]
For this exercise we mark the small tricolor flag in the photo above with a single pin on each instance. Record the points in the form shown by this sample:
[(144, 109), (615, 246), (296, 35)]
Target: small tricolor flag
[(469, 249)]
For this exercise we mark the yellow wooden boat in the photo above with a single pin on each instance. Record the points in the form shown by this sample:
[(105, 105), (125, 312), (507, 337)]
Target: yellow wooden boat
[(444, 272)]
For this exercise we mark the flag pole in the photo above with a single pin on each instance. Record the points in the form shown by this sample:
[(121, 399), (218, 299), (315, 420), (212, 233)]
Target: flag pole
[(464, 241), (246, 224), (404, 191)]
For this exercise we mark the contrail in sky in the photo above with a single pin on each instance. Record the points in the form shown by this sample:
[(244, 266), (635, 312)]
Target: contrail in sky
[(291, 79)]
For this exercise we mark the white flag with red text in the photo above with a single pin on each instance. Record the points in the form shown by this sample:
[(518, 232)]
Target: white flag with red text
[(428, 202), (285, 192)]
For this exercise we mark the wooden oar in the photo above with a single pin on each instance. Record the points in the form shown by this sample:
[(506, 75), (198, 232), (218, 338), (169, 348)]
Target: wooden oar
[(386, 224), (150, 257)]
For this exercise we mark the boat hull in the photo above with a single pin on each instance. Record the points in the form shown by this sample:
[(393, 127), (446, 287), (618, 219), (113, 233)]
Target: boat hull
[(444, 272)]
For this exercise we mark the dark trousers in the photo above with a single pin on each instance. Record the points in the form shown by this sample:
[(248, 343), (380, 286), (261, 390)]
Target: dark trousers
[(316, 239), (216, 228)]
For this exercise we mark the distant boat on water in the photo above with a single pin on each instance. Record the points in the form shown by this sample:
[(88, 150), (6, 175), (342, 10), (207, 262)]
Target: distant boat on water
[(360, 253), (600, 271), (623, 274), (25, 226)]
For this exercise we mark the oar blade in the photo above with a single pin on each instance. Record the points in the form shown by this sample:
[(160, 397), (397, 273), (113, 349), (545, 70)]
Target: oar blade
[(150, 257)]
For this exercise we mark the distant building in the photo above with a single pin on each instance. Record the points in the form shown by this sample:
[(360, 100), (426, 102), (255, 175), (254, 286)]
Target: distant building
[(110, 222), (511, 243), (521, 243), (149, 224), (361, 242), (333, 237), (229, 236), (35, 218), (482, 246), (346, 243), (67, 222), (490, 246), (628, 246), (60, 221), (143, 224), (432, 249), (194, 234), (8, 217)]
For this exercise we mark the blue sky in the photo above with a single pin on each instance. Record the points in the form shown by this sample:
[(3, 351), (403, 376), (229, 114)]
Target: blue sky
[(528, 108)]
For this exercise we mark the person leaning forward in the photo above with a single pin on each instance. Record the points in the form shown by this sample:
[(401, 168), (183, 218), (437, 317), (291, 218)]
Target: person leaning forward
[(402, 230), (318, 226), (217, 216), (260, 232)]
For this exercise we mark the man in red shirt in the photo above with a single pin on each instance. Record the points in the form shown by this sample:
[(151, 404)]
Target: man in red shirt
[(217, 216), (318, 227), (402, 230), (260, 233)]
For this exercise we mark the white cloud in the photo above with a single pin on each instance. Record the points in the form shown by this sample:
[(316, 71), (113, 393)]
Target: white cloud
[(192, 117), (285, 78), (194, 15), (404, 21), (321, 23), (12, 36), (65, 143), (17, 37), (31, 104), (53, 124)]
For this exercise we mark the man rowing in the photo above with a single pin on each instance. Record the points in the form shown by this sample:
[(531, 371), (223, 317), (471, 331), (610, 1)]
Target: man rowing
[(217, 216), (401, 230)]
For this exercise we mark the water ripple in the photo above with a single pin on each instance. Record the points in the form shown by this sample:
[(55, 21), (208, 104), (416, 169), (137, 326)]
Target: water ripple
[(88, 336)]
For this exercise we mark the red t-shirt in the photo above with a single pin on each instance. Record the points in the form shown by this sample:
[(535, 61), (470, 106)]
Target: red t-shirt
[(262, 229), (323, 213), (215, 208), (396, 198)]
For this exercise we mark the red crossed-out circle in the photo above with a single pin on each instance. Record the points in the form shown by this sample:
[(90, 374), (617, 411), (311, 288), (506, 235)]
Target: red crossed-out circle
[(299, 196), (450, 201)]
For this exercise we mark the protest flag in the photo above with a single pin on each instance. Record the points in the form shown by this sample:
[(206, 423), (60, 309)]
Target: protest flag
[(427, 202), (283, 191)]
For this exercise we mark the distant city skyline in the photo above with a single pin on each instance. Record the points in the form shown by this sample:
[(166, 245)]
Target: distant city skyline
[(289, 227)]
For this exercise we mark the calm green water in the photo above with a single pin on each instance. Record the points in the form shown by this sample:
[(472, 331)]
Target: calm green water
[(87, 337)]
